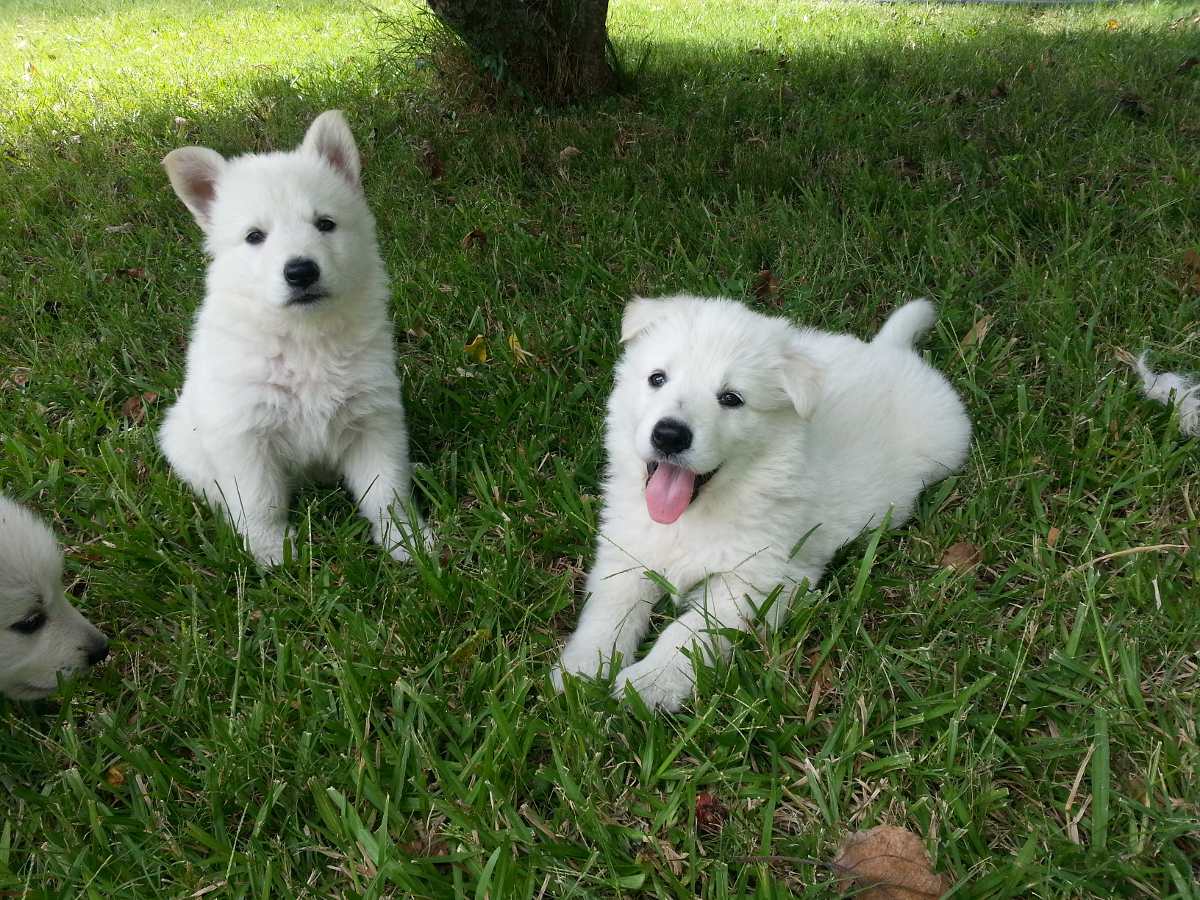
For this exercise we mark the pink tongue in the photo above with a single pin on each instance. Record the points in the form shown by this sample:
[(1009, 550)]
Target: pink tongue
[(669, 492)]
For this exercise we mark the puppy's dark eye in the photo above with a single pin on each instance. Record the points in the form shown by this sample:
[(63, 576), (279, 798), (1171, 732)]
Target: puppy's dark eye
[(30, 624), (254, 236), (729, 399), (657, 379), (325, 224)]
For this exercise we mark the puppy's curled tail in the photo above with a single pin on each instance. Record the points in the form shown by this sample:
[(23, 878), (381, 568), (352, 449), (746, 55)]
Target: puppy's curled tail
[(906, 324)]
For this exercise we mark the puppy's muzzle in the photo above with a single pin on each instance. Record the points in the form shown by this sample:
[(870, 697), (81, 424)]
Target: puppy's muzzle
[(97, 652)]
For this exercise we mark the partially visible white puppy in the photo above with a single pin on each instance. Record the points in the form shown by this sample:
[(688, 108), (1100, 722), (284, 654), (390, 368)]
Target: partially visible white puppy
[(42, 635), (731, 437), (291, 370)]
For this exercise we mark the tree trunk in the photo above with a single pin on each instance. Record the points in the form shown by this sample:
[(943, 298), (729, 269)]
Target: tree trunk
[(555, 49)]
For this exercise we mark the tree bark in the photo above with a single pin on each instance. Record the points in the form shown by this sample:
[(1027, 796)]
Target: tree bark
[(555, 49)]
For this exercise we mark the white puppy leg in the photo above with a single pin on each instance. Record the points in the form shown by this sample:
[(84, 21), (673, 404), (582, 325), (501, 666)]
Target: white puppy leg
[(614, 619), (664, 679), (376, 471), (254, 494)]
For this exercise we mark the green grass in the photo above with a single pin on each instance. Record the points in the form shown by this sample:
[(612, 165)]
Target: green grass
[(345, 726)]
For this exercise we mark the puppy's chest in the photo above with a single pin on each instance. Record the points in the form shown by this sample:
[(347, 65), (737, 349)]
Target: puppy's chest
[(305, 391)]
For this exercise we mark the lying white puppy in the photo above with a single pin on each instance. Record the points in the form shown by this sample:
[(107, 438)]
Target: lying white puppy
[(42, 635), (731, 436), (291, 368)]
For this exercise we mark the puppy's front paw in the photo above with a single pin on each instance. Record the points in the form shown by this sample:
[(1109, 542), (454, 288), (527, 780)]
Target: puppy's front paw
[(578, 660), (267, 549), (661, 686), (394, 540)]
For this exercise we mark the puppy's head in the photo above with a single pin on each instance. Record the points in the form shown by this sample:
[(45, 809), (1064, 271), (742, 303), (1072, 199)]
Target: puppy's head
[(42, 635), (288, 230), (702, 391)]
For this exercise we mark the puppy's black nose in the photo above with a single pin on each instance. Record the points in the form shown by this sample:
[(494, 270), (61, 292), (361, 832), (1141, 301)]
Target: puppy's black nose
[(97, 653), (301, 272), (670, 436)]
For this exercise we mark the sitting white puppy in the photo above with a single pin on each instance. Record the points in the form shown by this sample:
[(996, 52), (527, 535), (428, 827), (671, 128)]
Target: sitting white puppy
[(730, 437), (42, 635), (291, 368)]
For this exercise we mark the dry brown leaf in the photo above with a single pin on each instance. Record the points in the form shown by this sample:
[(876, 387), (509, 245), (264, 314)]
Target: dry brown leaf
[(18, 378), (1052, 536), (711, 813), (887, 863), (765, 285), (475, 238), (134, 409), (906, 168), (477, 349), (977, 332), (115, 775), (819, 682), (962, 556), (673, 858), (1191, 270), (434, 167)]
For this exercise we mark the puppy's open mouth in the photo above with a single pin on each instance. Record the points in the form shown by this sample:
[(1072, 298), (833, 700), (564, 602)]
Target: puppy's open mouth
[(670, 489), (307, 298)]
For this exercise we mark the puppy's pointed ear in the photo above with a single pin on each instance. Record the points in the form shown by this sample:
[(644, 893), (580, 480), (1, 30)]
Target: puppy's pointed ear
[(802, 379), (329, 137), (638, 316), (194, 172)]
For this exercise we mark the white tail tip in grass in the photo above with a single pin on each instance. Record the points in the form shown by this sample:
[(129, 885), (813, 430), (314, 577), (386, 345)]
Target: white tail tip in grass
[(1169, 388)]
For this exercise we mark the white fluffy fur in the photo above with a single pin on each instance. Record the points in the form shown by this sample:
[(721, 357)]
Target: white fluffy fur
[(1171, 388), (277, 389), (834, 433), (61, 641)]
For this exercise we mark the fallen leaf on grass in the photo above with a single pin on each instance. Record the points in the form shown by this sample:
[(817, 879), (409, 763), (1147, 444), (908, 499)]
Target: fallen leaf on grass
[(136, 272), (18, 378), (673, 858), (134, 409), (477, 349), (906, 168), (434, 167), (115, 776), (819, 682), (765, 285), (711, 813), (977, 332), (1191, 270), (521, 355), (1052, 536), (564, 158), (888, 863), (962, 557), (475, 238)]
